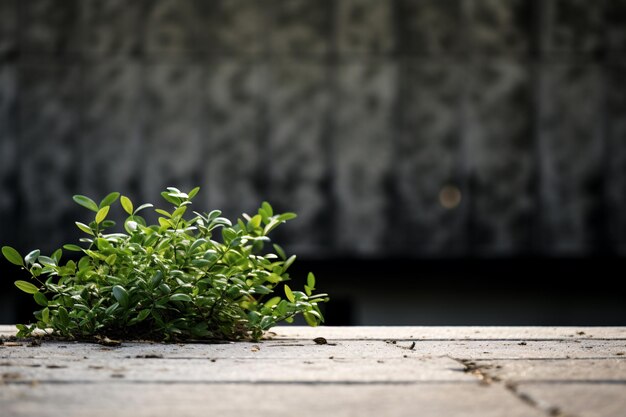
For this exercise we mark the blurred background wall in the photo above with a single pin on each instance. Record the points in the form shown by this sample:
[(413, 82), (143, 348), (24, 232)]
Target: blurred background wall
[(451, 161)]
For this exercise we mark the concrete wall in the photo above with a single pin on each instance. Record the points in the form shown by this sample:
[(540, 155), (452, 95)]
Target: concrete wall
[(354, 113)]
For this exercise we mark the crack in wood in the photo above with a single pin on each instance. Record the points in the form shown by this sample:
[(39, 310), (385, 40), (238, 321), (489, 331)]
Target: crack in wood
[(481, 372)]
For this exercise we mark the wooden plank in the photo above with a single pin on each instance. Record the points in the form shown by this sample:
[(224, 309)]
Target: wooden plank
[(140, 400), (459, 371), (435, 333), (591, 399), (237, 370), (450, 332)]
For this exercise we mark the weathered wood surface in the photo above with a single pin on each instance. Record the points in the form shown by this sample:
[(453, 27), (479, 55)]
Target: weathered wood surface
[(361, 371)]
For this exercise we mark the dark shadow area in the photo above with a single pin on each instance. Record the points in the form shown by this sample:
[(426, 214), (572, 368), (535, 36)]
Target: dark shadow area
[(541, 292), (531, 291)]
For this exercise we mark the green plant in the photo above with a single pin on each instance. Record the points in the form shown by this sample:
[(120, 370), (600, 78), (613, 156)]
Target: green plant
[(201, 278)]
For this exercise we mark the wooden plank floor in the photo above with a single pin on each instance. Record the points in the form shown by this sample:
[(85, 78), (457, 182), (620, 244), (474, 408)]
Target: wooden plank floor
[(361, 371)]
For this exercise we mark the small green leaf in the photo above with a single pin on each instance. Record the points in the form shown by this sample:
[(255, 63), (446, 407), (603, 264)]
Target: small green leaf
[(40, 299), (289, 261), (201, 263), (12, 255), (310, 280), (166, 224), (286, 216), (289, 294), (127, 205), (143, 206), (63, 316), (45, 315), (164, 288), (274, 278), (143, 314), (73, 248), (179, 211), (195, 245), (84, 228), (174, 200), (271, 226), (46, 261), (255, 221), (310, 319), (103, 244), (120, 295), (32, 256), (261, 289), (272, 302), (267, 208), (280, 251), (84, 263), (163, 212), (156, 278), (81, 307), (180, 297), (102, 214), (26, 286), (213, 214), (107, 224), (35, 270), (86, 202), (193, 192), (109, 199), (110, 309), (56, 255)]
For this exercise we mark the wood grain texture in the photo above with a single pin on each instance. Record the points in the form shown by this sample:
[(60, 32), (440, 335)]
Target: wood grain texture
[(365, 371)]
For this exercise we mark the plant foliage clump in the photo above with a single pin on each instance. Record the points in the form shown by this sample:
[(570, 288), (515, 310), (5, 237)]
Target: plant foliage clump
[(197, 278)]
